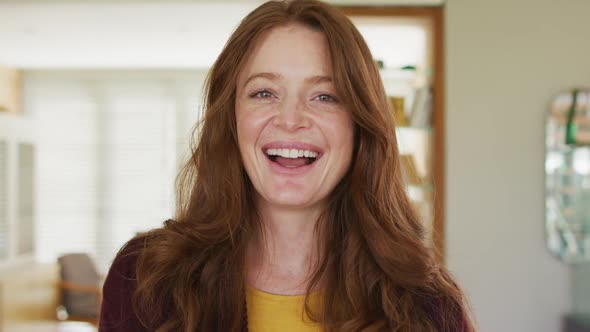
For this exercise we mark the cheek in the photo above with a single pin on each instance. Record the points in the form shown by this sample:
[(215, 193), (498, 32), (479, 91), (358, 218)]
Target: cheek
[(341, 131), (249, 126), (243, 122), (244, 130)]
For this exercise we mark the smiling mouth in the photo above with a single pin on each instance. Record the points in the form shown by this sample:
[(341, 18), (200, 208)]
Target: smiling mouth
[(291, 158)]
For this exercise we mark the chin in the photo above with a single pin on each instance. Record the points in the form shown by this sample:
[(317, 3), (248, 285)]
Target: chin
[(290, 199)]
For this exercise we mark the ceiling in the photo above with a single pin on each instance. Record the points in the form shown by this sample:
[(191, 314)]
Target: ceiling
[(130, 34)]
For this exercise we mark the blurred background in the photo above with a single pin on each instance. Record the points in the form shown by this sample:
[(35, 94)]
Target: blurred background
[(98, 100)]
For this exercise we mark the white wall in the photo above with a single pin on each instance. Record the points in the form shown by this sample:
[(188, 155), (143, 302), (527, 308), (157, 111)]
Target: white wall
[(506, 59)]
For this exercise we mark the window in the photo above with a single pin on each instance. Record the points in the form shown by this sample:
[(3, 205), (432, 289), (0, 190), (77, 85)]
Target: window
[(109, 147)]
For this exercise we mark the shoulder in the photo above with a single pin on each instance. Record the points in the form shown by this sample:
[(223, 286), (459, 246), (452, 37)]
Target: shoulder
[(448, 315), (117, 313)]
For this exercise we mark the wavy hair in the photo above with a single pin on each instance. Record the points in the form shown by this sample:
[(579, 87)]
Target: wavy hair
[(376, 272)]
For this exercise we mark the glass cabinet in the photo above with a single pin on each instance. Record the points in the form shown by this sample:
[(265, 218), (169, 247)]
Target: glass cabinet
[(567, 177), (567, 195)]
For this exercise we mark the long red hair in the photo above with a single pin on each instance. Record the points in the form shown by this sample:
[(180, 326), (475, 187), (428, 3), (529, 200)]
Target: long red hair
[(376, 271)]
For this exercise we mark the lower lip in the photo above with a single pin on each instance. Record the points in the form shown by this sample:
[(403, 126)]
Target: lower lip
[(277, 168)]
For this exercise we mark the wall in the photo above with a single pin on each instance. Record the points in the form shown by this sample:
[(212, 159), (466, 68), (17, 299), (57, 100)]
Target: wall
[(505, 61)]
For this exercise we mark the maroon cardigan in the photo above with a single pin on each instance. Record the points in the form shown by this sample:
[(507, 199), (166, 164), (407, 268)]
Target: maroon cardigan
[(117, 315)]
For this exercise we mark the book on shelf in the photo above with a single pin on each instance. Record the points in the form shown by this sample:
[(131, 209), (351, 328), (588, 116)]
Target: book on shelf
[(398, 109), (421, 114), (409, 170)]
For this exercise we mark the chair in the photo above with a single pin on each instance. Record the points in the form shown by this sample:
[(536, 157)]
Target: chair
[(80, 287)]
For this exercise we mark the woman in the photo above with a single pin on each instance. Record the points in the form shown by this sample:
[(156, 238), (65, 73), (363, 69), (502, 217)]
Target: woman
[(292, 213)]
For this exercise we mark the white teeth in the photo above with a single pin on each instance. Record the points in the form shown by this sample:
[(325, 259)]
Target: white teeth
[(291, 153)]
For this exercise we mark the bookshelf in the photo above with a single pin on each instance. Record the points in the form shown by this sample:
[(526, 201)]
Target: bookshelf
[(419, 81)]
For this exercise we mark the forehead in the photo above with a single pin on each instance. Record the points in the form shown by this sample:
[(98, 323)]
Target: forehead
[(291, 50)]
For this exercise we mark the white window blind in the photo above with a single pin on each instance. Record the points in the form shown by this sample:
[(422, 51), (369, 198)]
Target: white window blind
[(66, 169), (26, 187), (137, 162), (3, 201), (109, 146)]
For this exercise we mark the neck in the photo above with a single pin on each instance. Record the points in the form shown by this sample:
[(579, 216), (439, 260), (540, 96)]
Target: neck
[(283, 258)]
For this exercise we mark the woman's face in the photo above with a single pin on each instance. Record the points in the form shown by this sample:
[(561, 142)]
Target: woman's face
[(294, 134)]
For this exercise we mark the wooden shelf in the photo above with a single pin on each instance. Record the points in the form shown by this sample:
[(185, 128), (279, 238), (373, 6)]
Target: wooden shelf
[(435, 80), (427, 130)]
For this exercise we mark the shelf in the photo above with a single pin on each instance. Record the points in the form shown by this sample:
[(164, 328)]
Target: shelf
[(419, 135), (398, 74), (427, 186), (417, 194), (415, 128), (564, 148), (416, 78)]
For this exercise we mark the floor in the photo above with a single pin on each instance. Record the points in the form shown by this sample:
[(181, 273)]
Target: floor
[(50, 327)]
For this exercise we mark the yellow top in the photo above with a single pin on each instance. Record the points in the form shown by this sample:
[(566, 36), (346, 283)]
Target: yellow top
[(278, 313)]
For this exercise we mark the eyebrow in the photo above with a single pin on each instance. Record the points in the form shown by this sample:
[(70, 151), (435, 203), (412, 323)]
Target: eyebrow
[(275, 76), (269, 76), (319, 79)]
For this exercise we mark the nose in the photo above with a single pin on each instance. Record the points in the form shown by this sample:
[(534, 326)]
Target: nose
[(291, 115)]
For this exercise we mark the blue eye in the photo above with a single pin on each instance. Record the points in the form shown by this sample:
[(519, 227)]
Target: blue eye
[(262, 94)]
